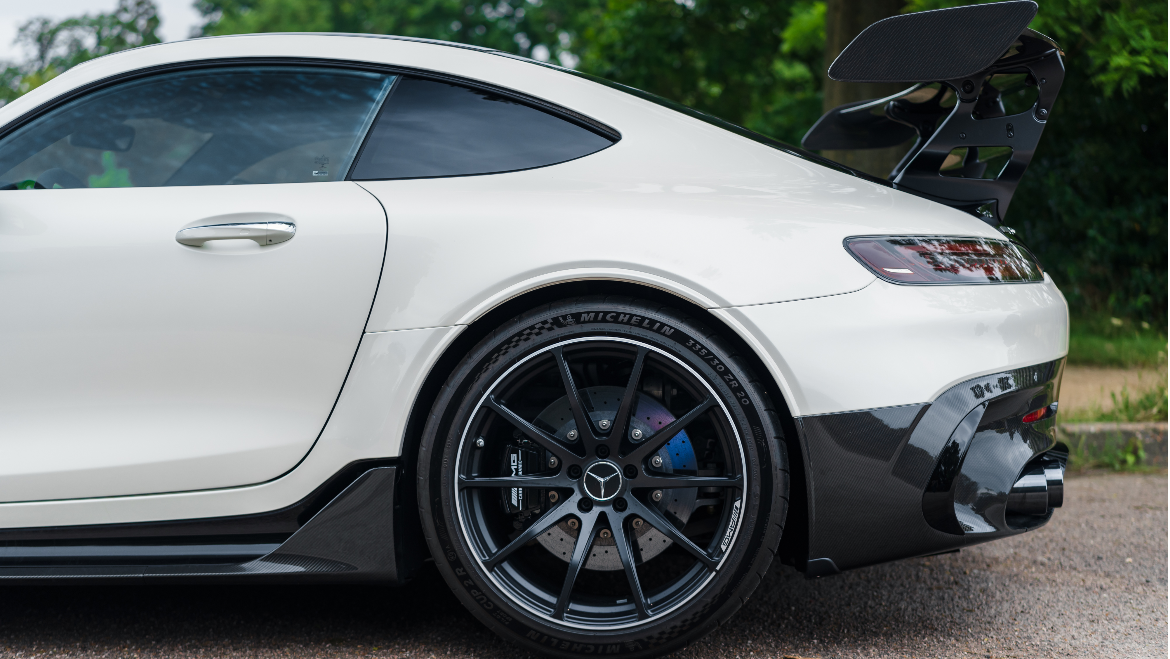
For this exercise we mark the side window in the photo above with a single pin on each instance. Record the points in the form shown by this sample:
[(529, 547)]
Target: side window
[(216, 126), (430, 128)]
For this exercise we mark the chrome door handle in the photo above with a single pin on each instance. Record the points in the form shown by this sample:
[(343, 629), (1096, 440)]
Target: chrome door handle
[(263, 233)]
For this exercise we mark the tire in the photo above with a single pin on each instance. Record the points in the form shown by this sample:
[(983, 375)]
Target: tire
[(509, 483)]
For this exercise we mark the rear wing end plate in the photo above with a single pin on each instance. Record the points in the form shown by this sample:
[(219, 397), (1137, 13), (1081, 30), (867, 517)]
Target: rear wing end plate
[(968, 152)]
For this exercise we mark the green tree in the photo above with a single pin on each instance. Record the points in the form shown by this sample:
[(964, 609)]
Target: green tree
[(535, 29), (844, 20), (59, 45), (1093, 203)]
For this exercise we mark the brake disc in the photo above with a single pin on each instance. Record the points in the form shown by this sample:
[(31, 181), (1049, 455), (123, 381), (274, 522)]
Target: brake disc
[(678, 453)]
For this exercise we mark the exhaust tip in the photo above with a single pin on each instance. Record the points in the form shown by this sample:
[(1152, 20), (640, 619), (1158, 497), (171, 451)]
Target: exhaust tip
[(1039, 489)]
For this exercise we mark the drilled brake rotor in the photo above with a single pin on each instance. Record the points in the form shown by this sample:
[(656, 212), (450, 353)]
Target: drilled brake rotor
[(678, 453)]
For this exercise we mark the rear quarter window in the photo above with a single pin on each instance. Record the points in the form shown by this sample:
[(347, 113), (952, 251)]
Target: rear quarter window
[(432, 128)]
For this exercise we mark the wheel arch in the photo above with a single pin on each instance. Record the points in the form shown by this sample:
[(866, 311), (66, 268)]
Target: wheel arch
[(794, 542)]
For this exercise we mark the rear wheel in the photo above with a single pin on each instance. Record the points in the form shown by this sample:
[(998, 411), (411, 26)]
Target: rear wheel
[(602, 476)]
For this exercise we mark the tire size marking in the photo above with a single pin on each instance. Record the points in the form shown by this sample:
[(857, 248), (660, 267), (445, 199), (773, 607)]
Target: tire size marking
[(740, 393)]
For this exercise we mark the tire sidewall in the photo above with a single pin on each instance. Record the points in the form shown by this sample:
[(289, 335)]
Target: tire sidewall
[(686, 341)]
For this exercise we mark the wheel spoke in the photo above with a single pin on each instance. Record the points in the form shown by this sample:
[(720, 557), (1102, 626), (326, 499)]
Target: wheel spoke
[(664, 482), (580, 418), (625, 412), (584, 542), (547, 441), (626, 553), (655, 519), (667, 432), (556, 480), (546, 520)]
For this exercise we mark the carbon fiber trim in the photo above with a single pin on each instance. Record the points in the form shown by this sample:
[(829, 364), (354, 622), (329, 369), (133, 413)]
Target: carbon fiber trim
[(928, 46), (351, 539), (868, 500)]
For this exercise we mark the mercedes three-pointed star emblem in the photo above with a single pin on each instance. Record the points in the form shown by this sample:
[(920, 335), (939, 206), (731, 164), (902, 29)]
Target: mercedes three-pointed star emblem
[(603, 480)]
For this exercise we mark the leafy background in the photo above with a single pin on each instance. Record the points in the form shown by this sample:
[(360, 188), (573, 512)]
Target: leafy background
[(1092, 206)]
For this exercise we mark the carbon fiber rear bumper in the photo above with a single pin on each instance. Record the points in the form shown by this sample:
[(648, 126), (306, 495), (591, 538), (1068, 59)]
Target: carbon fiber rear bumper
[(905, 481)]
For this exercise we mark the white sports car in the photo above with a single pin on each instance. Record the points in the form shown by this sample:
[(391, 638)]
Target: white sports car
[(323, 307)]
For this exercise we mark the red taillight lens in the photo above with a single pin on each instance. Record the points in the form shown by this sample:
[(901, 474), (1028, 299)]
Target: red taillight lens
[(1042, 413), (1033, 417), (939, 260)]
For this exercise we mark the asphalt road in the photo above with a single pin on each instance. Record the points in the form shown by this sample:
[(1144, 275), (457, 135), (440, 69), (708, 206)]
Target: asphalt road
[(1090, 584)]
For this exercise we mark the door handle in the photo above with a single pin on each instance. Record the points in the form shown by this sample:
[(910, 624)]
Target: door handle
[(263, 233)]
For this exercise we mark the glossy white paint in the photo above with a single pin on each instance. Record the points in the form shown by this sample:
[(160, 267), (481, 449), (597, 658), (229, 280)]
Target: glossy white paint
[(409, 354), (134, 365), (670, 175), (736, 227), (894, 345)]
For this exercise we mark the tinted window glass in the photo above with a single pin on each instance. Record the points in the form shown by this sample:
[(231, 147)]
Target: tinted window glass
[(205, 127), (430, 128)]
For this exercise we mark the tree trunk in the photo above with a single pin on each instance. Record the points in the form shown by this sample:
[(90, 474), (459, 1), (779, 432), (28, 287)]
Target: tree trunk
[(844, 20)]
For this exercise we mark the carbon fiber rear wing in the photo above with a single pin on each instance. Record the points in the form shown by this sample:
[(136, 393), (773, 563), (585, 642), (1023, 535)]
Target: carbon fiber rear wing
[(969, 153)]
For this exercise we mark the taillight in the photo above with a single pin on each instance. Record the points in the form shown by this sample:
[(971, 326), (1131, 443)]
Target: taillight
[(942, 260), (1042, 413)]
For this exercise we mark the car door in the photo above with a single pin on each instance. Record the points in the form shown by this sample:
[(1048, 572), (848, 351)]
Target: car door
[(185, 275)]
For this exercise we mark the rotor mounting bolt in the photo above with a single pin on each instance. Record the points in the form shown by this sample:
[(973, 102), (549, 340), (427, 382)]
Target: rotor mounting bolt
[(573, 524), (603, 451), (605, 534), (574, 472), (553, 497), (656, 462), (637, 523), (553, 462), (636, 435), (656, 495), (571, 436), (962, 136), (968, 86), (619, 504), (1043, 113), (584, 505), (479, 443), (603, 424)]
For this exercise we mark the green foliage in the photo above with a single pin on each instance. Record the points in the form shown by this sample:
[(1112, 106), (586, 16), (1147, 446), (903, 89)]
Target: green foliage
[(753, 62), (532, 28), (1093, 205), (1116, 453), (1149, 405), (1104, 341), (1123, 41), (57, 46), (724, 58)]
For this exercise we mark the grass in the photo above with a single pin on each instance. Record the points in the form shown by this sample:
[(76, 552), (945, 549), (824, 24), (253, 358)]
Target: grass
[(1116, 453), (1116, 342), (1104, 341), (1147, 406)]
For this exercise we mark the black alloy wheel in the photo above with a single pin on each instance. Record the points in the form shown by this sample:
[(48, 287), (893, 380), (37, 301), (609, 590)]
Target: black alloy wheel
[(602, 473)]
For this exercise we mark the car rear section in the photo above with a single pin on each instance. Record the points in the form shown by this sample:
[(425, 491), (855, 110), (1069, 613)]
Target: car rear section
[(927, 400), (925, 414)]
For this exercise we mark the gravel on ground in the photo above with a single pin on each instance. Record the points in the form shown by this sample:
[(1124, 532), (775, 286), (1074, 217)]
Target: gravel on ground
[(1092, 583)]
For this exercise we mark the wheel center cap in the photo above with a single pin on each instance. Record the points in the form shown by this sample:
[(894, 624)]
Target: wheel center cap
[(602, 480)]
